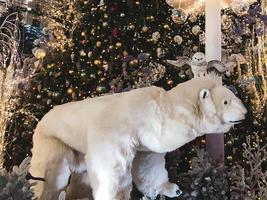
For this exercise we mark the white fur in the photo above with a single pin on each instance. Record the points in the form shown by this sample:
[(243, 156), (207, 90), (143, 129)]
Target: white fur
[(109, 130)]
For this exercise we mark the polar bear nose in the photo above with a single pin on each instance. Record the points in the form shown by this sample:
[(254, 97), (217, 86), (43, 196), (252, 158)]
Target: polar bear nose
[(179, 192)]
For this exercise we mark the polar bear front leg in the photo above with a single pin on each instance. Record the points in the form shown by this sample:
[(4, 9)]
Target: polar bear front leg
[(151, 177), (109, 170)]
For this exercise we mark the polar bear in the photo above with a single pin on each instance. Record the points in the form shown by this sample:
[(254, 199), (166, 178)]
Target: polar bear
[(108, 131)]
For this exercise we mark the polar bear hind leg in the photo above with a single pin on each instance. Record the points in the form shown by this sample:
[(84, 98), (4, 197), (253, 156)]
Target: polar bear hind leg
[(151, 177), (52, 161)]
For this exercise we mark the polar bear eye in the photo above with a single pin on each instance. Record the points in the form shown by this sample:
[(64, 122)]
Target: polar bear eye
[(225, 102)]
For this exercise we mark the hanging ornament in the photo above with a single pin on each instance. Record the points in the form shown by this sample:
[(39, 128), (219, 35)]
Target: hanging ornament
[(97, 62), (145, 28), (186, 5), (70, 91), (192, 18), (39, 53), (89, 54), (104, 24), (156, 36), (82, 53), (196, 29), (98, 44), (240, 8), (119, 44), (178, 39), (202, 38), (179, 16), (226, 22)]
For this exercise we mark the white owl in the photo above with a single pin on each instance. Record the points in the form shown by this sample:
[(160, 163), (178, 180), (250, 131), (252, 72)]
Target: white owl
[(199, 66)]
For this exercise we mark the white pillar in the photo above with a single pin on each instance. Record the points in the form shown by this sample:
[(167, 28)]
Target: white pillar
[(213, 30), (213, 49)]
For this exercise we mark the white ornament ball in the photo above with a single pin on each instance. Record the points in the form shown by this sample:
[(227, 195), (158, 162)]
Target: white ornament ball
[(156, 36), (179, 16), (196, 29), (240, 8), (178, 39), (144, 28), (202, 38)]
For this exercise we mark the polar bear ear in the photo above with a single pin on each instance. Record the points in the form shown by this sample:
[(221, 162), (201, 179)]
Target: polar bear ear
[(204, 93), (207, 104)]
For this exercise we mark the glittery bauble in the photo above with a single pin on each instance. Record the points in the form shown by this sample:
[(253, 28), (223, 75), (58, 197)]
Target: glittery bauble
[(196, 29), (166, 26), (144, 28), (192, 18), (98, 44), (89, 54), (39, 53), (184, 4), (70, 91), (179, 16), (202, 38), (156, 36), (118, 44), (134, 63), (178, 39), (82, 53), (131, 27), (83, 33), (104, 24), (240, 8), (97, 62), (226, 22)]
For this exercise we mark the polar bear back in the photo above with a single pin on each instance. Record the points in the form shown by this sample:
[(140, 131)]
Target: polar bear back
[(76, 120)]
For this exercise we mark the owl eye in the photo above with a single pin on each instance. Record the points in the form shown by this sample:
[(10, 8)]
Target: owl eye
[(225, 102)]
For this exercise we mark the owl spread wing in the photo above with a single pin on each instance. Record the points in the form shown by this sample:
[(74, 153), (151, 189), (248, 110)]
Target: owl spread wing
[(216, 66), (180, 62)]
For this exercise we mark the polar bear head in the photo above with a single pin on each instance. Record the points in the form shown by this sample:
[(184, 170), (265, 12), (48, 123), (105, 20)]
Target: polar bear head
[(220, 109)]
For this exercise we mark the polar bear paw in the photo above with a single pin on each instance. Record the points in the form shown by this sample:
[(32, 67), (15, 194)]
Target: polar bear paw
[(171, 190)]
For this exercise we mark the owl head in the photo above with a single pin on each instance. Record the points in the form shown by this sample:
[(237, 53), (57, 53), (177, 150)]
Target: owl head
[(198, 58)]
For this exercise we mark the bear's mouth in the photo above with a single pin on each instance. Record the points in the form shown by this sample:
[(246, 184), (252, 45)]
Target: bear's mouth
[(237, 121)]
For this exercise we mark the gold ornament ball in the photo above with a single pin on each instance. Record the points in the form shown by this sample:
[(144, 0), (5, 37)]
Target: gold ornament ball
[(39, 53), (119, 44), (166, 26), (82, 53), (133, 63), (83, 33), (70, 91), (170, 82), (97, 62), (98, 44)]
